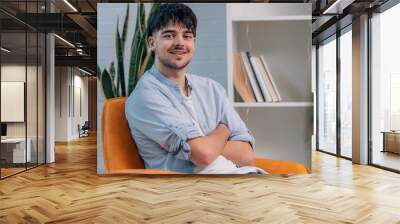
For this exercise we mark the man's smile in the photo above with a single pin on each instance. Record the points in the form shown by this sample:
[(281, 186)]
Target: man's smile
[(178, 52)]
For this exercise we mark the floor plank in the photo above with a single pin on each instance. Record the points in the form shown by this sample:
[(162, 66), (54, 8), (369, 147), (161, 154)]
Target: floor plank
[(70, 191)]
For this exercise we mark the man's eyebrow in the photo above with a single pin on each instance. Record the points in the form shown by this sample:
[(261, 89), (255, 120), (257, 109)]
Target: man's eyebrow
[(174, 31), (168, 31)]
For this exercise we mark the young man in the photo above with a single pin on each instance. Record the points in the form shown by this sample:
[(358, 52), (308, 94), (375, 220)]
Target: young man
[(183, 122)]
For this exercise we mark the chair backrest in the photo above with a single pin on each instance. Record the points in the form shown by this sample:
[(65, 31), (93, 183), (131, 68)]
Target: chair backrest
[(86, 125), (119, 148)]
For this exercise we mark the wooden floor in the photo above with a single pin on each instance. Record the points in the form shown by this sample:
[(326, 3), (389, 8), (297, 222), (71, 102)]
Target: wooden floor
[(10, 171), (70, 191)]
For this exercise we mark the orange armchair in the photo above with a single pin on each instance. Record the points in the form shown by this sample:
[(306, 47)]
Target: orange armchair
[(121, 155)]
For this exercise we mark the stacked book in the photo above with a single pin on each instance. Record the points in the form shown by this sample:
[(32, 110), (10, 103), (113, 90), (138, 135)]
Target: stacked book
[(253, 80)]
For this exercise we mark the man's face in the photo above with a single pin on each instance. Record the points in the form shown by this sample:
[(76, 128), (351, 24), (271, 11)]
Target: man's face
[(173, 46)]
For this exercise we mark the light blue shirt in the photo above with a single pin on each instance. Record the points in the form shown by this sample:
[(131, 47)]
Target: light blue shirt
[(161, 125)]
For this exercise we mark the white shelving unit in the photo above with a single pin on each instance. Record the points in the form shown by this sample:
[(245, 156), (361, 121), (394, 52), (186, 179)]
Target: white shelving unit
[(281, 33), (276, 104)]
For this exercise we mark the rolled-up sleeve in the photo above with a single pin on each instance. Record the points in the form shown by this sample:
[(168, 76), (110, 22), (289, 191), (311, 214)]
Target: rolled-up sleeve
[(231, 118), (153, 115), (179, 134), (244, 136)]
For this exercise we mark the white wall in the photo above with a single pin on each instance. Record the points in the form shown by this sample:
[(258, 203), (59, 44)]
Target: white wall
[(314, 91), (12, 73), (388, 68), (61, 103), (69, 82), (385, 67), (16, 73), (12, 101), (79, 117), (33, 126)]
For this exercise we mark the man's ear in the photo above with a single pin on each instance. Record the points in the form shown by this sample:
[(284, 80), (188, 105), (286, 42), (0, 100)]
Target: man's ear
[(151, 43)]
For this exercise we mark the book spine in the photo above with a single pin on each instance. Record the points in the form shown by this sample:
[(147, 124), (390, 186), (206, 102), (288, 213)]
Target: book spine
[(241, 82), (259, 77), (267, 81), (250, 73), (271, 78)]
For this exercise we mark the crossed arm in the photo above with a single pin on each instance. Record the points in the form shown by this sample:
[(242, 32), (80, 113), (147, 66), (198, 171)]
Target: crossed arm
[(206, 149), (158, 120)]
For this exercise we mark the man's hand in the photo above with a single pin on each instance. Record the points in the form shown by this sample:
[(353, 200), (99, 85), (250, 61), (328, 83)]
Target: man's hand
[(207, 148), (239, 152), (224, 128)]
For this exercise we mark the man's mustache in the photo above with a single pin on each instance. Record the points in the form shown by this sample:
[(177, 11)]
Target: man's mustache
[(178, 49)]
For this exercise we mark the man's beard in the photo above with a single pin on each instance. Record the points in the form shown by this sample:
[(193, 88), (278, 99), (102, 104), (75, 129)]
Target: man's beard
[(170, 65)]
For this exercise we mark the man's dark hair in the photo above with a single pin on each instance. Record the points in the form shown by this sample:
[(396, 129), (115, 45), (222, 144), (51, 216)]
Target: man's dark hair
[(172, 12)]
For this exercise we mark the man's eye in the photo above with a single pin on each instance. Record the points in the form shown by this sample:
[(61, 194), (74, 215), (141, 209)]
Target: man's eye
[(188, 36), (168, 36)]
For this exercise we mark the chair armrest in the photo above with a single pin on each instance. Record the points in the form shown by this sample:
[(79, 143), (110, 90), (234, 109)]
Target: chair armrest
[(140, 171), (269, 165), (280, 166)]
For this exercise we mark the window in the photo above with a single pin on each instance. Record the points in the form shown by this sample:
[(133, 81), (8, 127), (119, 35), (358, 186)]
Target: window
[(22, 75), (346, 92), (327, 96), (395, 102), (333, 137), (385, 88)]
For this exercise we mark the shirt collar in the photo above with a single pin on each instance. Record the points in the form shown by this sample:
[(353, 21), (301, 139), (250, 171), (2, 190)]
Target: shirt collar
[(155, 72)]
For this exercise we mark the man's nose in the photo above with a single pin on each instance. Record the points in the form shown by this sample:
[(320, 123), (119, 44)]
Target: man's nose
[(179, 40)]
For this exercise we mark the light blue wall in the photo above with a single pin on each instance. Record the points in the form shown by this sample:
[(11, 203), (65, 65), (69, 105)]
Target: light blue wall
[(106, 28), (209, 60)]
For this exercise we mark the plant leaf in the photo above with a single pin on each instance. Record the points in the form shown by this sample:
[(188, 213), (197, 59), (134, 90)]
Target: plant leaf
[(142, 16), (141, 59), (120, 62), (107, 84), (112, 71), (114, 78), (133, 61), (98, 72), (143, 55), (149, 62), (125, 28)]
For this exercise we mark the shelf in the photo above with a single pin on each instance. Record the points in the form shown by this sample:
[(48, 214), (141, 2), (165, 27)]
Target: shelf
[(286, 55), (276, 104), (265, 12), (269, 18), (281, 34)]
